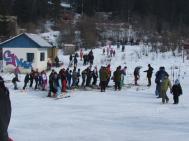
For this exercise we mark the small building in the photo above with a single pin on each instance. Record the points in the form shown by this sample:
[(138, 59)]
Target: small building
[(69, 49), (24, 52)]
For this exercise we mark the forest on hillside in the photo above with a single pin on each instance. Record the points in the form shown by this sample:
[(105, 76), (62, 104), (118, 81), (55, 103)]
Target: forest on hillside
[(173, 11), (168, 18)]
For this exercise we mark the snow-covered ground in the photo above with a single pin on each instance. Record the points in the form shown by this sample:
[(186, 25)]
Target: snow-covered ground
[(132, 114)]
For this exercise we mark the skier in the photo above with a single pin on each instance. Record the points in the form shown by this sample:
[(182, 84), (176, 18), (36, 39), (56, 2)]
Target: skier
[(111, 52), (176, 90), (78, 77), (95, 75), (69, 78), (84, 60), (26, 80), (137, 74), (74, 78), (70, 63), (83, 75), (123, 74), (149, 74), (5, 110), (51, 88), (158, 80), (31, 77), (58, 85), (63, 79), (103, 78), (36, 78), (81, 54), (49, 65), (114, 53), (108, 51), (89, 76), (40, 81), (55, 84), (117, 78), (91, 59), (75, 61), (103, 51), (164, 87), (123, 48), (44, 80), (109, 74)]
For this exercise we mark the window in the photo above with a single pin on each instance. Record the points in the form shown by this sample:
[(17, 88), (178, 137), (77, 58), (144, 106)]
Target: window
[(42, 56), (30, 57)]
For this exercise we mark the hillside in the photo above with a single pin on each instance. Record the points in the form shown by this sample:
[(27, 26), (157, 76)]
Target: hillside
[(133, 113)]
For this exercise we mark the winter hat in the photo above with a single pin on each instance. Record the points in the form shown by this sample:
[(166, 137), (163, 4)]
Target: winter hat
[(177, 82)]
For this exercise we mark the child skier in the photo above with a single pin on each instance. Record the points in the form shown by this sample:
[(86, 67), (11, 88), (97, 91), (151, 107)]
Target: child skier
[(176, 90)]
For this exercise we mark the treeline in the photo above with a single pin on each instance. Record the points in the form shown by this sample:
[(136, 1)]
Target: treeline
[(173, 11), (30, 10)]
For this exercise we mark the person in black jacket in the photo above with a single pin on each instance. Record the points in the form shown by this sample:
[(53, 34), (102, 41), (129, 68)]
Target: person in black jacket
[(176, 90), (14, 81), (57, 61), (5, 111), (149, 74), (26, 80)]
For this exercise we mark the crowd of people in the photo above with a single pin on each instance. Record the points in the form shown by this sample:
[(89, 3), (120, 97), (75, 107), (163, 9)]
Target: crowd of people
[(67, 79)]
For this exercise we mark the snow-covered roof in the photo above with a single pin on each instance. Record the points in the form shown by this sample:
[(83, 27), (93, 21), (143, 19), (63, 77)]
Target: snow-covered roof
[(38, 39), (34, 37)]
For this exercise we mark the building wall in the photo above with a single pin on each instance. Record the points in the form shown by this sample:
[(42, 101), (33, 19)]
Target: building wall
[(41, 65), (16, 58)]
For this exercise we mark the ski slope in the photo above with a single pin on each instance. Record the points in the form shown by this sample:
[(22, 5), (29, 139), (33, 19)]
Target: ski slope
[(132, 114)]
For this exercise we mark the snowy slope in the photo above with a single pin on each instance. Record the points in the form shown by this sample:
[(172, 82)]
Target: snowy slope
[(132, 114)]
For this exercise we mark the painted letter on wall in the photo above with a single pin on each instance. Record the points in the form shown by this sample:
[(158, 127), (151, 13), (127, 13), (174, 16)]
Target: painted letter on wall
[(12, 59)]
